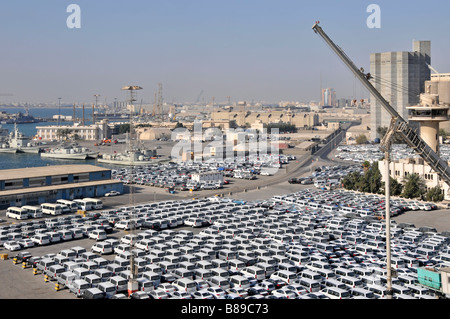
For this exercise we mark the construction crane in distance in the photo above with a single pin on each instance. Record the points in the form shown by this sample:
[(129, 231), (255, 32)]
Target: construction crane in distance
[(398, 124), (199, 96)]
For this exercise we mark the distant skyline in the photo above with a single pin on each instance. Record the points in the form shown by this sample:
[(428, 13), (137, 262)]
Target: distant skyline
[(256, 50)]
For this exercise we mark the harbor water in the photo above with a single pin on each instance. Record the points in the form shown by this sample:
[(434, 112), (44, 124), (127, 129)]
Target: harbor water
[(23, 160)]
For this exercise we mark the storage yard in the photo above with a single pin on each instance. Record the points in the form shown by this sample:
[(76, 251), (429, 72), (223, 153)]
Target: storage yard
[(283, 241)]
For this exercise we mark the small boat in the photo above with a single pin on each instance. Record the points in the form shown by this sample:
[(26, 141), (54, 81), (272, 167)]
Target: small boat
[(72, 152), (129, 158)]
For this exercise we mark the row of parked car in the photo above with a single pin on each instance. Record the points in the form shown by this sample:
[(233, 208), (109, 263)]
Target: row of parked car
[(274, 249), (327, 177), (178, 175), (372, 152)]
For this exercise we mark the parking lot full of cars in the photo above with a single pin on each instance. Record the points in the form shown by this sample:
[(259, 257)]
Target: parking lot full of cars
[(311, 244)]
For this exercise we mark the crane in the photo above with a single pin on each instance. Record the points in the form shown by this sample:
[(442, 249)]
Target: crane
[(398, 124), (432, 69)]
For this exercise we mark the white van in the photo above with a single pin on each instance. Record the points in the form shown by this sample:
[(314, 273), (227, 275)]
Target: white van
[(254, 272), (239, 281), (17, 213), (41, 239), (145, 285), (73, 207), (108, 288), (310, 284), (346, 210), (351, 282), (419, 291), (153, 277), (33, 211), (95, 202), (329, 208), (83, 205), (185, 284), (284, 275), (51, 209), (120, 283), (362, 293), (379, 291), (336, 293), (78, 286), (220, 282)]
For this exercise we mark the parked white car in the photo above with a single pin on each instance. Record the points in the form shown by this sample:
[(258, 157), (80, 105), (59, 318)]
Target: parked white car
[(12, 245), (112, 193)]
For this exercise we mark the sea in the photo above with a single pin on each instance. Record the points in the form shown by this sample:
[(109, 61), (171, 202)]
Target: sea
[(23, 160)]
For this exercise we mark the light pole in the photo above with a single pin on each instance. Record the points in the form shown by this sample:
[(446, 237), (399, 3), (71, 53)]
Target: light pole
[(132, 283), (93, 118), (385, 145), (59, 110)]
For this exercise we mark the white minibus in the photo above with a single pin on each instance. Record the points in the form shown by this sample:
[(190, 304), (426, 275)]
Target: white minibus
[(16, 213), (71, 204), (33, 211), (83, 204), (51, 209), (96, 203)]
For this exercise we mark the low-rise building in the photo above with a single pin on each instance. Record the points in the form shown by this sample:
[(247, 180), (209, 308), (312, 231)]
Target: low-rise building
[(36, 185), (401, 168)]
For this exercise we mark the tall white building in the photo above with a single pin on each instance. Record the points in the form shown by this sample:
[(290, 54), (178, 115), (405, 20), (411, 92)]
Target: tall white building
[(400, 78)]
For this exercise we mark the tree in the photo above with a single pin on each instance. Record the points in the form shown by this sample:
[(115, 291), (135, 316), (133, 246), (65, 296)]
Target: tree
[(63, 134), (434, 194), (178, 125), (361, 139), (374, 178), (124, 128), (369, 182), (413, 186), (395, 188), (351, 180)]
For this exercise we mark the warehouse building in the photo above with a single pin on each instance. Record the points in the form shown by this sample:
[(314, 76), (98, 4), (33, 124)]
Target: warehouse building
[(36, 185)]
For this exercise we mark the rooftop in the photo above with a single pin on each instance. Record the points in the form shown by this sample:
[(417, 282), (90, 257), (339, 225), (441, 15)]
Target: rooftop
[(31, 172), (43, 189)]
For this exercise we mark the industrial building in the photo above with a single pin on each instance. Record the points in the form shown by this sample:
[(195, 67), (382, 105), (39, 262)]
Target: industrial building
[(440, 85), (428, 114), (400, 78), (93, 132), (36, 185), (329, 97), (243, 118)]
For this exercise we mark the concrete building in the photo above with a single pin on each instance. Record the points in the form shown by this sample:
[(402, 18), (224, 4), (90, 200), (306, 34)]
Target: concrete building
[(400, 78), (429, 114), (401, 168), (243, 118), (153, 133), (440, 85), (94, 132), (329, 97), (37, 185)]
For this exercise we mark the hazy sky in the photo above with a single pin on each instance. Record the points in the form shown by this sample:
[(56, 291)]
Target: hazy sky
[(261, 50)]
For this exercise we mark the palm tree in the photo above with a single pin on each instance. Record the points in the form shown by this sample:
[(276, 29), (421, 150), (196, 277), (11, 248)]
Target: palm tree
[(413, 186), (62, 134)]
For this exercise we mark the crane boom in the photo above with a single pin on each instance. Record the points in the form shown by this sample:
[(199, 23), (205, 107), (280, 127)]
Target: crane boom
[(399, 124)]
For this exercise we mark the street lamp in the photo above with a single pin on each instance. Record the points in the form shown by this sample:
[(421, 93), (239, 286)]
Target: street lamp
[(59, 110), (132, 283)]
